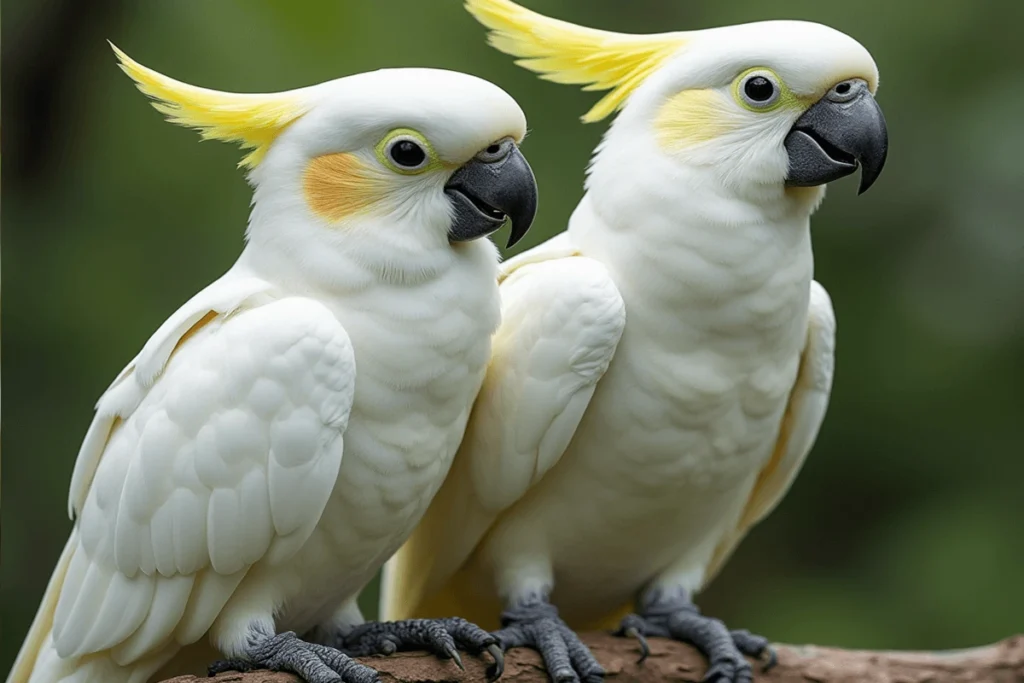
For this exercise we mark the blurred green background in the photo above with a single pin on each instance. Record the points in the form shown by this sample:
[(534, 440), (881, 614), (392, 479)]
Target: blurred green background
[(906, 527)]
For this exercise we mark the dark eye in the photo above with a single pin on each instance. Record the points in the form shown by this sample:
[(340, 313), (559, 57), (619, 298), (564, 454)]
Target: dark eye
[(407, 153), (759, 90)]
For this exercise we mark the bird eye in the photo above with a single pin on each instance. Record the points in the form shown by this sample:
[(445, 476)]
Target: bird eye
[(407, 153), (759, 90)]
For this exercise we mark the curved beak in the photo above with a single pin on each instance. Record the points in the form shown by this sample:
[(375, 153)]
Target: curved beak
[(843, 130), (485, 193)]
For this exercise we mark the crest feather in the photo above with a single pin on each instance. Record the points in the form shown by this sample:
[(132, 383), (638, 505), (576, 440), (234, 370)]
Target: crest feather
[(253, 120), (566, 53)]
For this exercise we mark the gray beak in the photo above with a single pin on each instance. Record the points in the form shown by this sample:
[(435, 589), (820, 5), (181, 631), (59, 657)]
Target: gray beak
[(844, 129), (497, 184)]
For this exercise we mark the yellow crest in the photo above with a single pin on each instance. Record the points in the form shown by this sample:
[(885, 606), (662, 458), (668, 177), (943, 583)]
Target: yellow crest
[(566, 53), (254, 120)]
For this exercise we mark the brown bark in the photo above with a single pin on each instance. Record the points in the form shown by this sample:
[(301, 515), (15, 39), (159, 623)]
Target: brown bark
[(1002, 662)]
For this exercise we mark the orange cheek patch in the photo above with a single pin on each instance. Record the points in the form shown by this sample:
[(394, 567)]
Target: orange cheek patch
[(339, 186)]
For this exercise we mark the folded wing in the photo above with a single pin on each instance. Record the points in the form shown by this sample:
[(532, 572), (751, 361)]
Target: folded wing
[(804, 415), (561, 322), (215, 449)]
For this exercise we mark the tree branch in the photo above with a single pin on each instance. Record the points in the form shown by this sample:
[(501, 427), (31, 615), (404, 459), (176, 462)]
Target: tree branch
[(1002, 662)]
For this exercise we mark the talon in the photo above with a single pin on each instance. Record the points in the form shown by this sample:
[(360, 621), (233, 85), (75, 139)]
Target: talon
[(565, 676), (645, 650), (770, 660), (455, 657), (494, 671)]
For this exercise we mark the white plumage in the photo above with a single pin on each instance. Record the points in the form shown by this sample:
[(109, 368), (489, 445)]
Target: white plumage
[(658, 458), (709, 346), (277, 439)]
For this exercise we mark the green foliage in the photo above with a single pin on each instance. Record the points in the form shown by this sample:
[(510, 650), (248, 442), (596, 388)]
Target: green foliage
[(904, 529)]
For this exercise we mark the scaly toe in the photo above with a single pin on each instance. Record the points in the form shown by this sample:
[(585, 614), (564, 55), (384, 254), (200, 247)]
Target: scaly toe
[(755, 646), (729, 670), (223, 665)]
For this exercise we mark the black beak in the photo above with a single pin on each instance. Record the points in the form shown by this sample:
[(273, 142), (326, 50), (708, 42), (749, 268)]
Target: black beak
[(842, 130), (486, 191)]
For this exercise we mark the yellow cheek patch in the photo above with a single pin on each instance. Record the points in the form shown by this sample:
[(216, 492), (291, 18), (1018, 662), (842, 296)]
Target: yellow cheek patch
[(339, 186), (691, 117)]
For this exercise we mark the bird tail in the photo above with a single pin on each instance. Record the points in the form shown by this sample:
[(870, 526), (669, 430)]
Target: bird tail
[(451, 599), (38, 661), (456, 598)]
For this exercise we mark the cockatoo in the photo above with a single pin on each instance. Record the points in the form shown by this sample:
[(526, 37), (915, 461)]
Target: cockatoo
[(663, 366), (280, 435)]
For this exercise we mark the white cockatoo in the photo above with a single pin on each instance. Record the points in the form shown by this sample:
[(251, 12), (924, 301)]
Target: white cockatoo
[(280, 435), (664, 365)]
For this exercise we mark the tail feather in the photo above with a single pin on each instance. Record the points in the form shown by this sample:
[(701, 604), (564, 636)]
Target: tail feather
[(454, 599), (95, 668), (38, 662)]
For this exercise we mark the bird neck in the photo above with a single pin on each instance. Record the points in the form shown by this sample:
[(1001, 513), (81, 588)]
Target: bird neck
[(286, 245), (683, 246)]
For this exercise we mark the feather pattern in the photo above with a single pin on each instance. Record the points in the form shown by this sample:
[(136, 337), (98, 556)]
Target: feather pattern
[(561, 321), (805, 413), (252, 119), (566, 53), (197, 479)]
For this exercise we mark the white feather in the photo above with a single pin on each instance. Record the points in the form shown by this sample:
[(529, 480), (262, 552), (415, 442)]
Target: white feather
[(210, 491)]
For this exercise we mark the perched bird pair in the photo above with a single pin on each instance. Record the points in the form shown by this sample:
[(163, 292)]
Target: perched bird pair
[(660, 371)]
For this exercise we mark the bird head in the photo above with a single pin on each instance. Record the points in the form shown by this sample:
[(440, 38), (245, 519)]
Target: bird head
[(766, 104), (391, 161)]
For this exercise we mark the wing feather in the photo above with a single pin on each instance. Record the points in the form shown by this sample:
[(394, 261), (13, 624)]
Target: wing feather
[(808, 403), (561, 322), (189, 474)]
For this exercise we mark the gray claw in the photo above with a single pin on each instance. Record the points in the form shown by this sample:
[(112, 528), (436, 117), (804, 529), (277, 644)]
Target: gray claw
[(679, 618), (495, 670), (440, 636), (645, 649)]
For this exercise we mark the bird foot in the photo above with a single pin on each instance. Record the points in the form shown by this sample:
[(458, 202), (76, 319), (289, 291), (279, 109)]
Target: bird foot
[(536, 625), (443, 637), (725, 649), (286, 652)]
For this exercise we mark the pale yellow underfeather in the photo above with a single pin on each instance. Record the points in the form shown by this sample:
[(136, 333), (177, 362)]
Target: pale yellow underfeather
[(338, 186), (700, 115), (691, 117)]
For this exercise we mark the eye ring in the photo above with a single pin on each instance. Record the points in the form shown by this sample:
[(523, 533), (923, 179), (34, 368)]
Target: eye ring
[(759, 90), (406, 153), (496, 151)]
